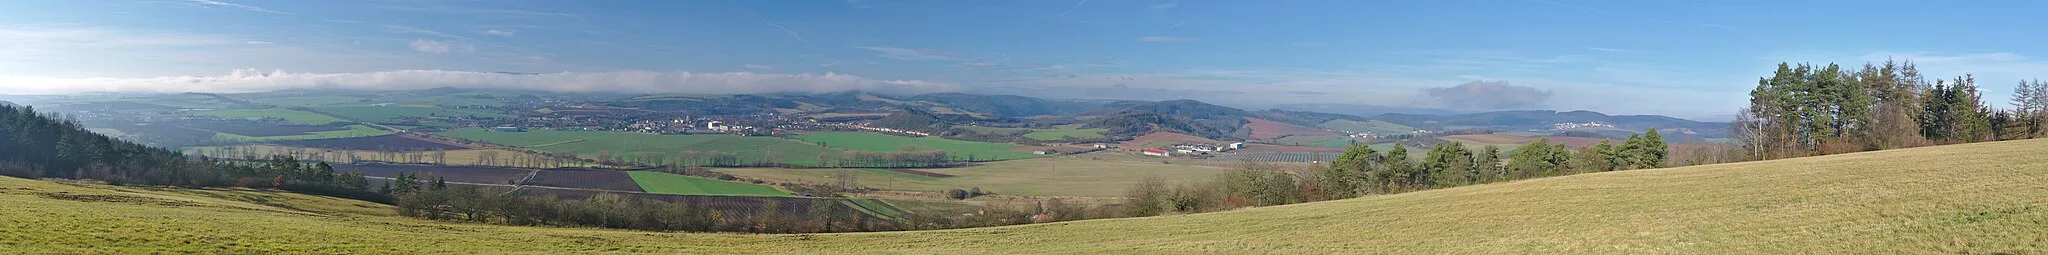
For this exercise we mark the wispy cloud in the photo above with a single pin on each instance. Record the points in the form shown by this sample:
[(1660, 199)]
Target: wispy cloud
[(997, 65), (1610, 49), (469, 9), (913, 54), (408, 30), (764, 20), (441, 47), (1062, 15), (259, 42), (1164, 6), (250, 80), (236, 6), (501, 32), (1165, 39), (1177, 25), (758, 67)]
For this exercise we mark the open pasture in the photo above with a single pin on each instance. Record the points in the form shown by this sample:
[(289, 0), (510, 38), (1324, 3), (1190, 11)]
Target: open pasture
[(673, 184), (374, 143), (592, 143), (876, 142)]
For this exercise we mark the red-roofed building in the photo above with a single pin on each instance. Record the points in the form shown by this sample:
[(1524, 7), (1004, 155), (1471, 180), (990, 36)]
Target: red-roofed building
[(1157, 152)]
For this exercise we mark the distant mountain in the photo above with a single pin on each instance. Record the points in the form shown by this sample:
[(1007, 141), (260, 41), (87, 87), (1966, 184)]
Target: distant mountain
[(1006, 105), (1545, 120), (1134, 118), (1364, 110)]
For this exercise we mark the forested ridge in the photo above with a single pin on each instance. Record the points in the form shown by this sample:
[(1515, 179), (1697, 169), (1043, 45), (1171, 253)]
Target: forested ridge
[(46, 145), (1805, 110)]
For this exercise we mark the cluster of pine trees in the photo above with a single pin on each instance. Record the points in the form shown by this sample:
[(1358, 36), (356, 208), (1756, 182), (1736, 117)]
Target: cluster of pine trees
[(1363, 171), (44, 145), (1806, 110)]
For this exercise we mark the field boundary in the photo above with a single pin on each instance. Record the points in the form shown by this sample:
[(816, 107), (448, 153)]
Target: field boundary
[(578, 140)]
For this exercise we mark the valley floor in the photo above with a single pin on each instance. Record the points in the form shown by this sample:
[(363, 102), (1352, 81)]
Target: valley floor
[(1975, 198)]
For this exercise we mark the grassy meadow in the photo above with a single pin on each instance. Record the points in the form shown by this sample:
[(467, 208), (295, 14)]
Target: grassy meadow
[(877, 142), (352, 131), (667, 183), (381, 113), (1054, 134), (590, 143), (293, 116), (1091, 175), (1982, 198), (466, 157)]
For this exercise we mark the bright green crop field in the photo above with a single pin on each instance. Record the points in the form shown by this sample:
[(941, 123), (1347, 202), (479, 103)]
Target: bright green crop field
[(667, 183)]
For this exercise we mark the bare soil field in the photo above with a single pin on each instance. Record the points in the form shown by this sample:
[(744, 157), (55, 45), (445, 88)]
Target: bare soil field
[(1496, 139), (1267, 130), (471, 174), (1254, 147), (373, 143), (587, 179)]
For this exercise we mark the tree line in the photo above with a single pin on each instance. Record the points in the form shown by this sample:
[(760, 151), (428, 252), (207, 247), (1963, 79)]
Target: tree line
[(45, 145), (1362, 171), (1806, 110)]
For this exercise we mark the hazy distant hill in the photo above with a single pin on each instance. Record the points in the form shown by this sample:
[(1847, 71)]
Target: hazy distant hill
[(1006, 105), (1364, 110), (1544, 120), (1132, 118)]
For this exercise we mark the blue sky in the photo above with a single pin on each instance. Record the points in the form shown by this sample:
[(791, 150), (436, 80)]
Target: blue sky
[(1692, 59)]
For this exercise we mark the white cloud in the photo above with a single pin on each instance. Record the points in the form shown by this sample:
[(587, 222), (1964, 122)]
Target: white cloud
[(1164, 39), (441, 47), (1164, 6), (259, 42), (912, 54), (408, 30), (236, 6), (758, 67), (250, 80), (501, 32)]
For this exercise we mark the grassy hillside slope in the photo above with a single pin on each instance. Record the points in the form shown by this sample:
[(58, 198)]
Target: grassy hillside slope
[(1978, 198)]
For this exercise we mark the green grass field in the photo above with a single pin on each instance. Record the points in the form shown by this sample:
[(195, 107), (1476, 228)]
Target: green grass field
[(293, 116), (381, 113), (876, 142), (352, 131), (667, 183), (1964, 199), (873, 207), (748, 148), (304, 100), (1081, 176)]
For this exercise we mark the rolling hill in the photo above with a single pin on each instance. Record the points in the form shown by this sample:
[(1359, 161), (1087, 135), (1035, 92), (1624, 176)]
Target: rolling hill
[(1542, 120), (1983, 198)]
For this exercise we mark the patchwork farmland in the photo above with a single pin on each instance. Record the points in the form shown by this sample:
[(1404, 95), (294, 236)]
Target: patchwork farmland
[(876, 142), (590, 144)]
